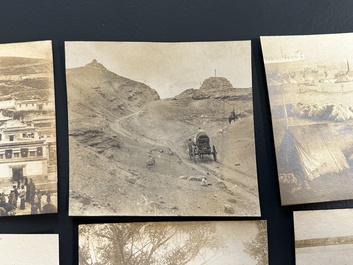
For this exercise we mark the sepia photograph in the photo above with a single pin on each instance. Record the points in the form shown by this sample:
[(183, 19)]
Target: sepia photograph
[(324, 237), (225, 242), (161, 129), (28, 164), (310, 87), (29, 249)]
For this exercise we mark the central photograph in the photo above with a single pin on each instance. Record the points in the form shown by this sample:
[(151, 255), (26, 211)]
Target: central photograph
[(161, 129)]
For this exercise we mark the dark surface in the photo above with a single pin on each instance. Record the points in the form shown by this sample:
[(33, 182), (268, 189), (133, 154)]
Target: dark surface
[(162, 20)]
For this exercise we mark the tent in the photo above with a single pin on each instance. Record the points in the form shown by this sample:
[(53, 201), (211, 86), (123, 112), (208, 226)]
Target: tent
[(308, 152)]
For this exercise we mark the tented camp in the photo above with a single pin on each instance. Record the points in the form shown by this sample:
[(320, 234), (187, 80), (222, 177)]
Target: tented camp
[(308, 152)]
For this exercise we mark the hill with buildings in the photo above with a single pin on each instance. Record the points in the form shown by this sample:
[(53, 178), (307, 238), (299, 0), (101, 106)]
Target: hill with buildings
[(26, 78)]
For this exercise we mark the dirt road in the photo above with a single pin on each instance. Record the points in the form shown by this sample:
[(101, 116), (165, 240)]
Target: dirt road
[(226, 181)]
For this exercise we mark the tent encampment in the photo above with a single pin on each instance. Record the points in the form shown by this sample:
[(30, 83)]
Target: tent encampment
[(308, 152)]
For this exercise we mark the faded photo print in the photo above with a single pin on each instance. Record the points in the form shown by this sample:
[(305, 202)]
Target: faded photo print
[(28, 249), (310, 86), (161, 129), (226, 243), (28, 164), (324, 237)]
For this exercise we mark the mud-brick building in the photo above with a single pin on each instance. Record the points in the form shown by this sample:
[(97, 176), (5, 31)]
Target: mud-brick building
[(45, 125), (22, 152), (34, 105)]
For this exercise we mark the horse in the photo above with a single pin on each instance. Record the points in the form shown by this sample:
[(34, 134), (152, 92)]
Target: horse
[(232, 117)]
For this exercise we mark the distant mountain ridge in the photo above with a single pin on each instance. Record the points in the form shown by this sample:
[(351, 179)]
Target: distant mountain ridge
[(26, 78), (94, 89), (24, 66)]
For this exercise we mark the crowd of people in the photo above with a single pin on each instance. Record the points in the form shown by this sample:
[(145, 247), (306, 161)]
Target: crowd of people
[(24, 195)]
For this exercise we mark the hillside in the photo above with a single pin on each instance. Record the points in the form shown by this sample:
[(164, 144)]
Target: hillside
[(114, 93), (26, 78), (134, 146)]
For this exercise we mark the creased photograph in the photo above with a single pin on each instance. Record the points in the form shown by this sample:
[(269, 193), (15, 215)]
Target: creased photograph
[(310, 87)]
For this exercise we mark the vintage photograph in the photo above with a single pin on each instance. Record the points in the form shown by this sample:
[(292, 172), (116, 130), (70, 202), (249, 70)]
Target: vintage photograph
[(227, 243), (310, 86), (28, 165), (324, 237), (161, 129), (26, 249)]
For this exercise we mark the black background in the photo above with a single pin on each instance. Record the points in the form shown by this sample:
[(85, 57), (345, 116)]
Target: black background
[(178, 20)]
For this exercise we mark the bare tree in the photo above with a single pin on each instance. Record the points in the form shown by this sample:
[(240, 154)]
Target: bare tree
[(257, 247), (148, 243), (86, 253)]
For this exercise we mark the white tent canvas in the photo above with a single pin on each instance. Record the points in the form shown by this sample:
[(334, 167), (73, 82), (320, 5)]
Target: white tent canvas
[(310, 94), (309, 152)]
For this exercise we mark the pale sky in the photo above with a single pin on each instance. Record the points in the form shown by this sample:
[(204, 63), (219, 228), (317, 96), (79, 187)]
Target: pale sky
[(29, 249), (325, 47), (35, 49), (323, 223), (170, 68)]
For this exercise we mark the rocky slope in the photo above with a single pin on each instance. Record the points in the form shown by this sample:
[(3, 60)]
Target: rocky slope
[(93, 83), (217, 88), (128, 152), (96, 97)]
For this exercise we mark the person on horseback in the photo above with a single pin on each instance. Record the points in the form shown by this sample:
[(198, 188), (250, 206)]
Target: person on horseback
[(232, 116)]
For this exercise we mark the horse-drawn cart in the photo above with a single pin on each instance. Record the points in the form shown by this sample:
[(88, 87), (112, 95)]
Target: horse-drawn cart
[(201, 146)]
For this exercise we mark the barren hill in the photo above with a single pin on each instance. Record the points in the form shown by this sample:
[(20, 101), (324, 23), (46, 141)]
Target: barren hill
[(129, 156), (96, 97), (217, 88), (25, 78), (112, 92)]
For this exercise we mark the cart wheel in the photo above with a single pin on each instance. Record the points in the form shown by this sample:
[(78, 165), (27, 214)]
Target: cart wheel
[(214, 153), (193, 155)]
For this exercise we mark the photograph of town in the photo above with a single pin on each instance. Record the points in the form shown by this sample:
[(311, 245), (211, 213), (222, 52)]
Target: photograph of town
[(189, 243), (28, 167), (161, 129), (310, 86), (323, 237)]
